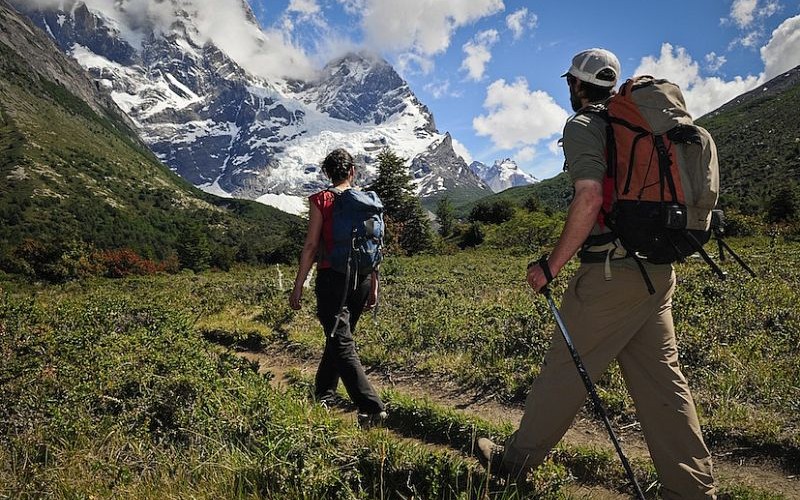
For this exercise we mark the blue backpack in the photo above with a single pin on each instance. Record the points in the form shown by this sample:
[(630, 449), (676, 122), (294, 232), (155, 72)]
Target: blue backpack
[(357, 231)]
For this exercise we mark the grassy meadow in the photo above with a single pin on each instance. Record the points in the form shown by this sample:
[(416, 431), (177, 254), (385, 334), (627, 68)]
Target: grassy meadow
[(129, 388)]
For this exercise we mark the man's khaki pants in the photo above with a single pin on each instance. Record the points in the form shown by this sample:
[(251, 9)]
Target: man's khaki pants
[(619, 319)]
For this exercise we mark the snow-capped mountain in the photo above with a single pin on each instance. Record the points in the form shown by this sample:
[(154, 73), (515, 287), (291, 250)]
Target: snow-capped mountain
[(502, 175), (232, 132)]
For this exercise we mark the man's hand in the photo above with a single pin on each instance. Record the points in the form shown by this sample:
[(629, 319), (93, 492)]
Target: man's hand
[(581, 217), (537, 279)]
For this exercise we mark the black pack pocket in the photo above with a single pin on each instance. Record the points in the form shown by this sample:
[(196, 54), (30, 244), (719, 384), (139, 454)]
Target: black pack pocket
[(655, 231)]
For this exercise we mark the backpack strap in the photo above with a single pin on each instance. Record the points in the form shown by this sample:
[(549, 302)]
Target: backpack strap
[(336, 192)]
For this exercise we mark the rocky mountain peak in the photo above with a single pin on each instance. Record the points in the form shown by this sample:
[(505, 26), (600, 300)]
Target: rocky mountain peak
[(503, 174), (235, 133), (363, 88)]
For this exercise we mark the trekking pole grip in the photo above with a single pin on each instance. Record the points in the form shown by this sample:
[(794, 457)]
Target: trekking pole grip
[(542, 263)]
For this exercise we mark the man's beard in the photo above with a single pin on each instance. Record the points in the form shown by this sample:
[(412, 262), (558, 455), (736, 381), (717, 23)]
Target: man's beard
[(575, 100)]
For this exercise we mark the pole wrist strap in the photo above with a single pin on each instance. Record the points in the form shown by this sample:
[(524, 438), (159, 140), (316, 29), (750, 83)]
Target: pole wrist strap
[(542, 262)]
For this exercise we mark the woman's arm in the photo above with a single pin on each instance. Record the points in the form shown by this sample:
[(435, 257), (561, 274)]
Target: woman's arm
[(307, 255), (372, 298)]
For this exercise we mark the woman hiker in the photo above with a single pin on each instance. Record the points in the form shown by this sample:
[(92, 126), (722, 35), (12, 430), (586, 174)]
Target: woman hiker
[(339, 304)]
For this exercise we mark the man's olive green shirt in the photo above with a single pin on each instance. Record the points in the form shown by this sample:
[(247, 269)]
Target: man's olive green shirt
[(585, 147)]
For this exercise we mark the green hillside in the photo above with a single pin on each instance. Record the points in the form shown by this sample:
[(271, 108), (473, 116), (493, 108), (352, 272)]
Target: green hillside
[(75, 173), (554, 193), (758, 140)]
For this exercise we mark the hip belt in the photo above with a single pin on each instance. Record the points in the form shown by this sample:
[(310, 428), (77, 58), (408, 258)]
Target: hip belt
[(602, 248)]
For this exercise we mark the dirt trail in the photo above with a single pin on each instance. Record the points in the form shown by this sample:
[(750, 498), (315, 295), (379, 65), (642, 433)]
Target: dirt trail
[(757, 472)]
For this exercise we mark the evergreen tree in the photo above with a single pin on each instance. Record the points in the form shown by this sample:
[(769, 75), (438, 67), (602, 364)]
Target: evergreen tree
[(495, 212), (416, 236), (194, 250), (783, 206), (402, 208), (533, 203), (445, 216), (393, 184)]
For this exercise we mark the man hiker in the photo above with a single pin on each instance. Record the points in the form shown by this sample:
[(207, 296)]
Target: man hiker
[(610, 314)]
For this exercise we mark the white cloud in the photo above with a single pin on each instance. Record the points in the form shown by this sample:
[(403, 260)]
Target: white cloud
[(305, 7), (525, 154), (265, 53), (423, 27), (715, 62), (440, 88), (772, 7), (743, 12), (782, 52), (747, 13), (478, 51), (352, 7), (517, 116), (462, 151), (702, 94), (303, 21), (408, 60), (751, 39), (520, 21), (555, 147)]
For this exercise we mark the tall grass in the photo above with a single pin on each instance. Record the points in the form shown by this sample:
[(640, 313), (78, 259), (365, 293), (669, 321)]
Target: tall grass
[(110, 387)]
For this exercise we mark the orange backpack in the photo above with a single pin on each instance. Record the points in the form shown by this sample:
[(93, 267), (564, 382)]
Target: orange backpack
[(662, 179)]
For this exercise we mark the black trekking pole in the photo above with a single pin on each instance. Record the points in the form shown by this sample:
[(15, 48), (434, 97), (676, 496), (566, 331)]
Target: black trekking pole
[(587, 381)]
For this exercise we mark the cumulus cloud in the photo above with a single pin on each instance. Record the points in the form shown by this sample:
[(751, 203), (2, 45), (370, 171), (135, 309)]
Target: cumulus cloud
[(702, 94), (268, 53), (517, 116), (352, 7), (305, 7), (478, 54), (782, 52), (525, 154), (715, 62), (743, 12), (421, 27), (408, 60), (555, 147), (440, 88), (462, 151), (749, 16), (520, 21)]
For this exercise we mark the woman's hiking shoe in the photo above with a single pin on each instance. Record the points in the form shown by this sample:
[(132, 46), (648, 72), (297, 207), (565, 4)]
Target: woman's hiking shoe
[(335, 401), (490, 455), (367, 420)]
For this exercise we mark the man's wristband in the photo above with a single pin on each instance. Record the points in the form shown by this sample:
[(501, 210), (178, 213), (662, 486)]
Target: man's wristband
[(542, 262)]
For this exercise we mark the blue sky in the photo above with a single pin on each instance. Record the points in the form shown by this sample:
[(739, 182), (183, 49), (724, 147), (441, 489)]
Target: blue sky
[(489, 70)]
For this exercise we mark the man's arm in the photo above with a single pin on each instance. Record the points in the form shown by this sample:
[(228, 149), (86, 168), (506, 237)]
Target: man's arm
[(581, 218)]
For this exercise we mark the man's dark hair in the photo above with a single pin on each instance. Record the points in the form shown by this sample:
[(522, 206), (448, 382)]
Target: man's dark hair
[(337, 165)]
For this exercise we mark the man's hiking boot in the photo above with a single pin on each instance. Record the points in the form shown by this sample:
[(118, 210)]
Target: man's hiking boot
[(490, 455), (367, 420)]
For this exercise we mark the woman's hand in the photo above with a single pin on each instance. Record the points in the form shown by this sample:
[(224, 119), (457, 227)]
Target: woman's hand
[(296, 297), (372, 298)]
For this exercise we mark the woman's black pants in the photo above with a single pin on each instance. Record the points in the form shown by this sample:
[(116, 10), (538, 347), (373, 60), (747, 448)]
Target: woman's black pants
[(339, 359)]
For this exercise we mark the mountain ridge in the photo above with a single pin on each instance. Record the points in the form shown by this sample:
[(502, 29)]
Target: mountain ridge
[(74, 172), (234, 133), (503, 174)]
